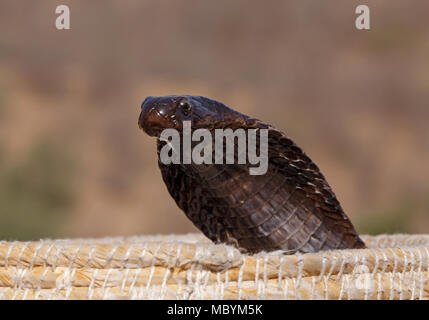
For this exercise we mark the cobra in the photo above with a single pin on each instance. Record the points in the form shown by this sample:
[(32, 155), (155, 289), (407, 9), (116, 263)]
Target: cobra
[(290, 208)]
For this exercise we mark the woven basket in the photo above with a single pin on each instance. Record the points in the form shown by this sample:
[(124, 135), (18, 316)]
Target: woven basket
[(191, 267)]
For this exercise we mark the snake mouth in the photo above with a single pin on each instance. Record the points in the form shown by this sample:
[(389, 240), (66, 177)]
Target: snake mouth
[(153, 122)]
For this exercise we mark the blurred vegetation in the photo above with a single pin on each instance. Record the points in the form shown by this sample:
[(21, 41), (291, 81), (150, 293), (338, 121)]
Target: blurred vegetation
[(2, 102), (355, 101), (396, 219), (35, 195)]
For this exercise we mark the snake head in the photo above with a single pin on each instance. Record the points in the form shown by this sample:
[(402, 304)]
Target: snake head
[(169, 112)]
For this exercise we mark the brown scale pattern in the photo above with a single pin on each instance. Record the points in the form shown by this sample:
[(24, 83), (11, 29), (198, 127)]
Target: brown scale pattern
[(290, 208)]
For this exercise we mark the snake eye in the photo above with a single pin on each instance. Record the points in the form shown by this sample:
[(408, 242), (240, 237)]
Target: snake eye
[(186, 107)]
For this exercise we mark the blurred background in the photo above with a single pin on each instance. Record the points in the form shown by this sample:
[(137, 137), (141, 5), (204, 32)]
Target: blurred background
[(73, 162)]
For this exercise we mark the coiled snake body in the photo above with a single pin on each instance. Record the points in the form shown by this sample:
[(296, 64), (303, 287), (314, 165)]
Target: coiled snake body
[(290, 208)]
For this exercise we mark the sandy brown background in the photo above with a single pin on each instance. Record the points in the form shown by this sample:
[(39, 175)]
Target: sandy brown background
[(73, 162)]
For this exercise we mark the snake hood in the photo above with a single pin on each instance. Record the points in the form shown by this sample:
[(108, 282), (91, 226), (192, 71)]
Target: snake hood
[(291, 207)]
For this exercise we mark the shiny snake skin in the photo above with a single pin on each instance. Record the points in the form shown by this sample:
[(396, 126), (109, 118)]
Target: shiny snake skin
[(290, 208)]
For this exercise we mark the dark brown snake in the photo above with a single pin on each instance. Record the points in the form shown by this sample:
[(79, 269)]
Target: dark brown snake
[(290, 208)]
